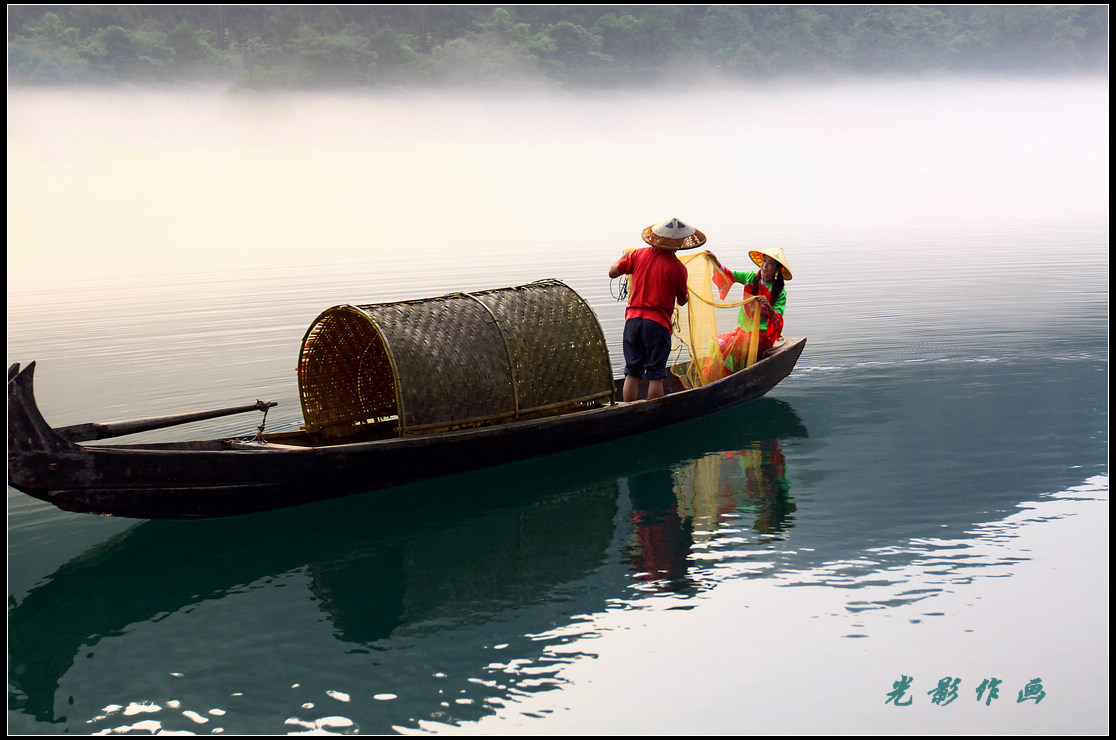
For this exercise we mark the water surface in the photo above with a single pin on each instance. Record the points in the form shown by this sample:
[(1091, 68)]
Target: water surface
[(925, 497)]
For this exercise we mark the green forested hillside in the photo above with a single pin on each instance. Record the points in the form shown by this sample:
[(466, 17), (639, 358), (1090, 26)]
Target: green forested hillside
[(275, 47)]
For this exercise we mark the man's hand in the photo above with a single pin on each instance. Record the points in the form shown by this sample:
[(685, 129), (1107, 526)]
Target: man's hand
[(615, 271)]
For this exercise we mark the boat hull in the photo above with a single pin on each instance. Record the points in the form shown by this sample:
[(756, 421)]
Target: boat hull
[(222, 478)]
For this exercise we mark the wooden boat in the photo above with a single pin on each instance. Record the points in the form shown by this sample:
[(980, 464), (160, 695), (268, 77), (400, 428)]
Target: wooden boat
[(221, 477)]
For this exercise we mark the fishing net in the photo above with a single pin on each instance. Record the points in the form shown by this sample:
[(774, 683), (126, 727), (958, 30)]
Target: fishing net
[(713, 338)]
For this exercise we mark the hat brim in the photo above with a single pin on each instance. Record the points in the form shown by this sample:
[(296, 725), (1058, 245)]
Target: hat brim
[(692, 241), (757, 257)]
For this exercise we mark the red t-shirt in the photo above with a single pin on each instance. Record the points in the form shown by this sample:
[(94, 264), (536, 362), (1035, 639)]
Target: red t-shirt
[(658, 280)]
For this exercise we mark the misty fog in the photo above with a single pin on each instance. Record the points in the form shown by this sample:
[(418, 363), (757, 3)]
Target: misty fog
[(139, 182)]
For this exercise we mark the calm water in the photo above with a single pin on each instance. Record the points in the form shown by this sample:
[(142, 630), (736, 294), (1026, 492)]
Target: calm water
[(925, 497)]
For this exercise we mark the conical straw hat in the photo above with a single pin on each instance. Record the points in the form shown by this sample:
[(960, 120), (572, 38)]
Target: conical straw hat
[(775, 253), (673, 234)]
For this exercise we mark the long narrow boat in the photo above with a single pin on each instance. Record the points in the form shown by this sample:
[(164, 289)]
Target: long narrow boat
[(222, 477)]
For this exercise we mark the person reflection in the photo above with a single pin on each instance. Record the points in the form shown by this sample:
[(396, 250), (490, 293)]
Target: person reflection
[(766, 486), (662, 539), (675, 509)]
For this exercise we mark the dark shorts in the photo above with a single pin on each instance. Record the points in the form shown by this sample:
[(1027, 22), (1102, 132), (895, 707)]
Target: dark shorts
[(646, 349)]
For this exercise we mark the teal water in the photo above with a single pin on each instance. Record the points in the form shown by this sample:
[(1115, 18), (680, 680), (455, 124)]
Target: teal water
[(925, 497)]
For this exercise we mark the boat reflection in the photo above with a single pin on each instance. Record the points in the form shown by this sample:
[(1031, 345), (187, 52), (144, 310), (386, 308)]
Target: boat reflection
[(425, 559)]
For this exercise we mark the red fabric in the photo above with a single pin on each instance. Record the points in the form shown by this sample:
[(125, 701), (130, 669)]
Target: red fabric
[(723, 280), (658, 281), (732, 350)]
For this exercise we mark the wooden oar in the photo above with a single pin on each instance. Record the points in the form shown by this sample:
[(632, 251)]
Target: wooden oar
[(87, 432)]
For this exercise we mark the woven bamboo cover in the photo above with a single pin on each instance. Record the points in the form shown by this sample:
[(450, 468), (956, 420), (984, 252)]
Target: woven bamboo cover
[(344, 373), (454, 361)]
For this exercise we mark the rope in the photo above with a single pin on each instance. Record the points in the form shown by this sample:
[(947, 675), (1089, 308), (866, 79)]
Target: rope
[(714, 304), (623, 288), (260, 428)]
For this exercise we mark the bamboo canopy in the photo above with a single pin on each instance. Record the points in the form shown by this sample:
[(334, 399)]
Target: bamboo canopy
[(456, 361)]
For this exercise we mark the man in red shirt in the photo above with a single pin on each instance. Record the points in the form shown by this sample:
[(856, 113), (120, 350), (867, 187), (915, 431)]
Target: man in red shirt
[(658, 281)]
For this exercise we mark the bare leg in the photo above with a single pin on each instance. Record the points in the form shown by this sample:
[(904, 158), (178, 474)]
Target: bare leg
[(654, 388), (631, 388)]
